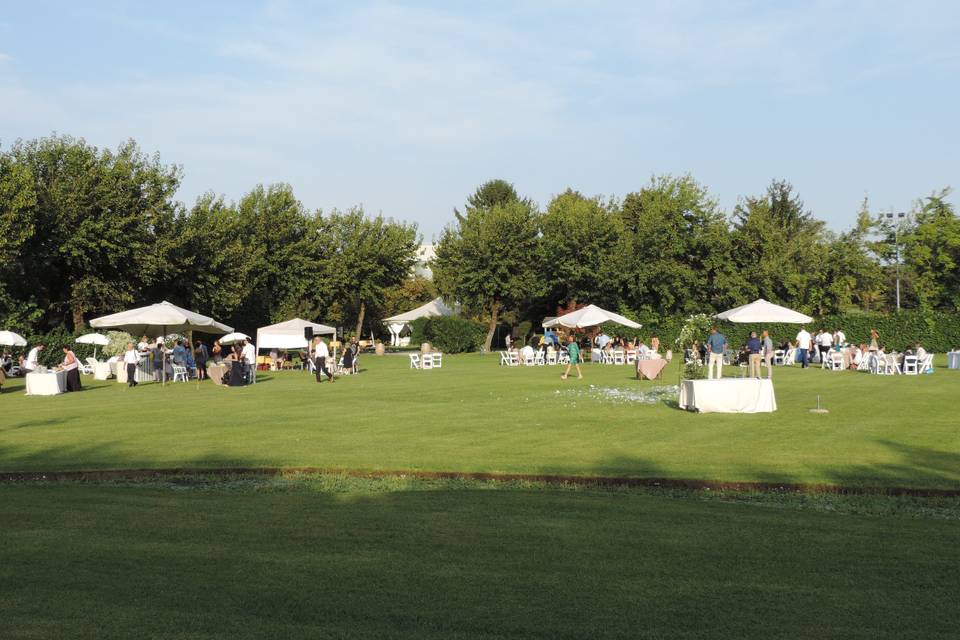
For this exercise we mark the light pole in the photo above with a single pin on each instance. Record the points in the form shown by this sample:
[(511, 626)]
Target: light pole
[(896, 242)]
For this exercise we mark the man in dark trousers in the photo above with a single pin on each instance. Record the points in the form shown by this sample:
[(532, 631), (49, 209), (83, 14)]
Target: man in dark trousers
[(320, 355), (131, 358)]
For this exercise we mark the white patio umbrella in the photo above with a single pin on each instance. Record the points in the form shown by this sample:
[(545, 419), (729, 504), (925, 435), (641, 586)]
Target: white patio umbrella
[(590, 316), (761, 311), (236, 336), (95, 339), (11, 339), (165, 316)]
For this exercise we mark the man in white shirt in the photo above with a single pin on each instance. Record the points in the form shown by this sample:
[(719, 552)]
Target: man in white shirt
[(824, 342), (320, 355), (33, 359), (249, 354), (804, 340), (602, 340), (839, 338), (131, 358)]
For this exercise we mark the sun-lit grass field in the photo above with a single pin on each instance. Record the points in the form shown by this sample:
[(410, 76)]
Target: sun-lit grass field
[(208, 555), (475, 416)]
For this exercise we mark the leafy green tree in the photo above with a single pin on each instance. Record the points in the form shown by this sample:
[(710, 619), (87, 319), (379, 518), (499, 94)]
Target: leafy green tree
[(932, 253), (489, 260), (370, 255), (674, 253), (579, 240), (96, 215), (409, 294), (18, 201)]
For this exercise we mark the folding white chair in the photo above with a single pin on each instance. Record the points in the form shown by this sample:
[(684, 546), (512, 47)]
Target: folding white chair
[(893, 364), (778, 357), (179, 373), (911, 365), (631, 356), (504, 359), (426, 361), (414, 361), (531, 361), (926, 364), (835, 361), (619, 357), (437, 360), (551, 357)]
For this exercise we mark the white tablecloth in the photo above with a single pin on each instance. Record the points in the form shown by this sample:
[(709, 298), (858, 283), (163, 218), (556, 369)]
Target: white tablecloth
[(728, 395), (101, 371), (953, 360), (46, 384)]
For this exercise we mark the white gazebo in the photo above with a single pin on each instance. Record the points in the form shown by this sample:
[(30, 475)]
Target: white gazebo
[(760, 311), (589, 316), (290, 334), (396, 324)]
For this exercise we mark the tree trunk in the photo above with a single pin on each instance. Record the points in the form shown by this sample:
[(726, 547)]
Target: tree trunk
[(78, 323), (363, 310), (494, 316)]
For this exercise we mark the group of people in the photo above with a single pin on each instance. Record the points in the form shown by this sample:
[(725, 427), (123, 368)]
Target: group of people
[(30, 363)]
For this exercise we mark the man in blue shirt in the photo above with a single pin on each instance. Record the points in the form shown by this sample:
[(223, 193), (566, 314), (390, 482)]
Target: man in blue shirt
[(717, 344), (754, 346)]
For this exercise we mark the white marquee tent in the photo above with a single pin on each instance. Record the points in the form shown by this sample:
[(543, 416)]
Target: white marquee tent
[(589, 316), (289, 334), (396, 324), (760, 311)]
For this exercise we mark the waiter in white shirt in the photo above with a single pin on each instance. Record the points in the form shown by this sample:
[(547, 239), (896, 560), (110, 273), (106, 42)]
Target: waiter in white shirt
[(803, 346), (824, 342), (320, 355), (249, 354), (131, 358), (33, 358)]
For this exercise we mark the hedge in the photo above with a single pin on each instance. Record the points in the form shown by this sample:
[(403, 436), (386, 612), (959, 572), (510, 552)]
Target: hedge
[(450, 334)]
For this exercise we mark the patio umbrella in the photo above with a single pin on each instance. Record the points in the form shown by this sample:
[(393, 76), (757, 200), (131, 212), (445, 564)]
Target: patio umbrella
[(165, 316), (95, 339), (236, 336), (11, 339), (761, 311), (589, 316)]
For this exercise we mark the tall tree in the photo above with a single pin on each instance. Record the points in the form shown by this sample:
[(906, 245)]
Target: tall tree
[(489, 259), (933, 253), (18, 201)]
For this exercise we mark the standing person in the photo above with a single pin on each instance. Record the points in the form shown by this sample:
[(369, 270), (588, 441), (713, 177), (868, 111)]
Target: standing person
[(250, 360), (320, 355), (72, 367), (201, 355), (839, 337), (803, 347), (217, 351), (874, 336), (755, 347), (144, 345), (131, 358), (655, 344), (717, 343), (33, 359), (824, 344), (768, 353), (179, 354), (573, 351)]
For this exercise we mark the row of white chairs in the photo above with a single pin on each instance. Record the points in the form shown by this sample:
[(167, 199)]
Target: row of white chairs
[(433, 360), (539, 359)]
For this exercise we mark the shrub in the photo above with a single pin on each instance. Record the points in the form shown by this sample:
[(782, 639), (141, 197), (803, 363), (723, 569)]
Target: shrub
[(450, 334)]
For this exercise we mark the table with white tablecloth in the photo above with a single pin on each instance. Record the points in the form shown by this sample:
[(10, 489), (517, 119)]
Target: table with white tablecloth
[(728, 395), (953, 360), (102, 371), (46, 384)]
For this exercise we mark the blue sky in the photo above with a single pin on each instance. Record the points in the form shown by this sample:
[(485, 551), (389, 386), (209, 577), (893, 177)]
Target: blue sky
[(406, 108)]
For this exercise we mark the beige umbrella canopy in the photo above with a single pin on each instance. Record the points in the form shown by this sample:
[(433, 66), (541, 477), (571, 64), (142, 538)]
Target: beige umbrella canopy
[(761, 311), (589, 316), (164, 316)]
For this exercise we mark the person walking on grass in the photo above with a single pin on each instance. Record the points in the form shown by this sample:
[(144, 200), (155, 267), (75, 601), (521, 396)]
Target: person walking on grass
[(768, 353), (573, 351), (131, 358), (755, 347)]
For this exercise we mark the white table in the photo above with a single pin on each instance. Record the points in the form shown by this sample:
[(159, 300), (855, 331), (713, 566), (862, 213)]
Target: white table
[(953, 360), (728, 395), (101, 371), (46, 384)]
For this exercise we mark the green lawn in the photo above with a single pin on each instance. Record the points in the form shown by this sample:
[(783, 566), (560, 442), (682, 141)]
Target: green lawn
[(333, 557), (473, 415)]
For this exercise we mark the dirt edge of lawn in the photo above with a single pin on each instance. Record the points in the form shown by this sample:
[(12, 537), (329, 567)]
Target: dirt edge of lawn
[(15, 477)]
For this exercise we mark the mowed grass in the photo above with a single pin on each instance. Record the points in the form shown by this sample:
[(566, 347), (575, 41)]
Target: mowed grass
[(475, 416), (347, 558)]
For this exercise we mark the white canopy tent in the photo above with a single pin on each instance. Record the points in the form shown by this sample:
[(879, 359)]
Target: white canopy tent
[(396, 324), (289, 334), (590, 316), (761, 311), (164, 316)]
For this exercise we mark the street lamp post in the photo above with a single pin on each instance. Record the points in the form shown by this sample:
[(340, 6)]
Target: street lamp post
[(896, 242)]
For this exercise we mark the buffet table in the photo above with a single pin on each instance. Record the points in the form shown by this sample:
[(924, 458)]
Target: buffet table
[(651, 368), (215, 372), (102, 371), (728, 395), (46, 384)]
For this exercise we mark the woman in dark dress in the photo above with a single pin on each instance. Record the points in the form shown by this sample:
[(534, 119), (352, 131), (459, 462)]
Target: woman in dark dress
[(72, 367), (236, 366), (200, 356)]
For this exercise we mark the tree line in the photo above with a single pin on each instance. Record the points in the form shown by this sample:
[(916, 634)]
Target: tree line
[(87, 231)]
